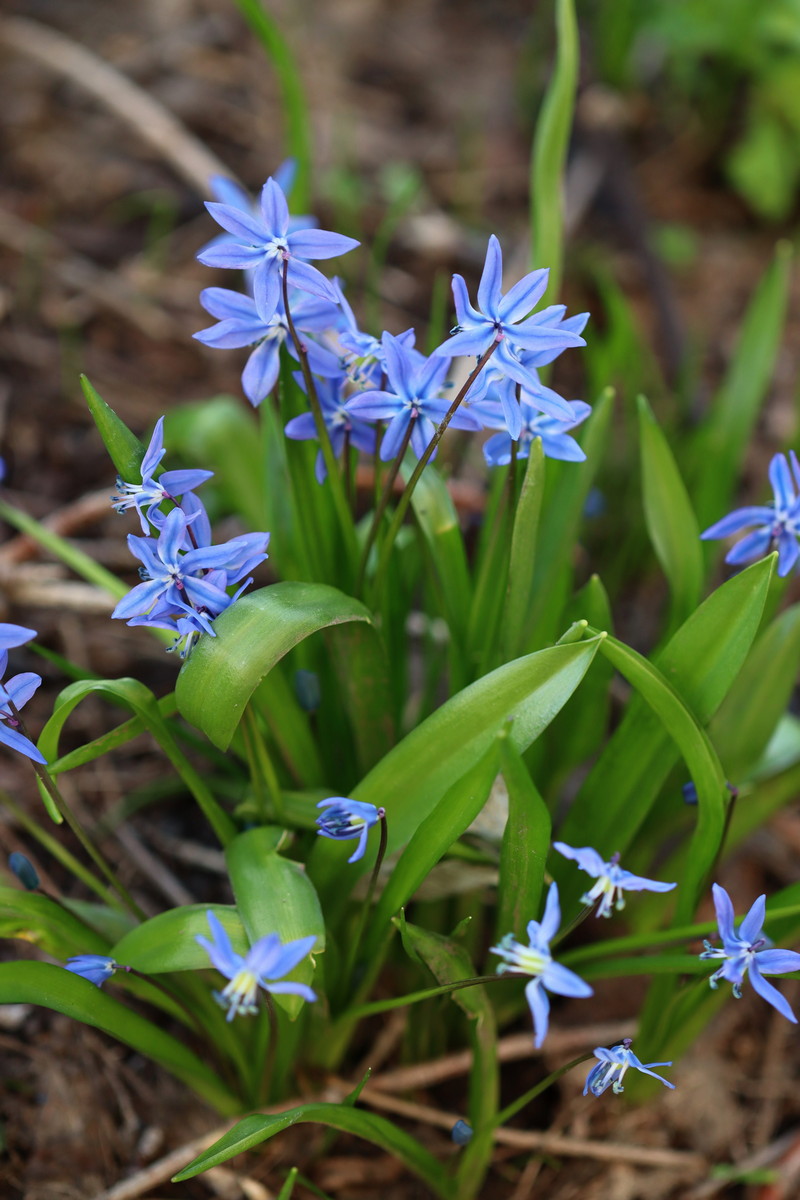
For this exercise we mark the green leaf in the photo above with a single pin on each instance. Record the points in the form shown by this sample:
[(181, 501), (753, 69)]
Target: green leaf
[(760, 696), (216, 683), (141, 701), (434, 836), (700, 662), (167, 942), (275, 895), (722, 442), (671, 523), (522, 562), (65, 992), (362, 676), (437, 517), (253, 1130), (124, 448), (550, 143), (44, 923), (526, 841)]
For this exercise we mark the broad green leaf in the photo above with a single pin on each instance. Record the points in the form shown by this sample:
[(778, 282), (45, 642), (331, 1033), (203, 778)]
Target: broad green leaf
[(434, 836), (119, 736), (65, 992), (437, 517), (124, 448), (275, 895), (700, 757), (550, 144), (671, 523), (39, 920), (411, 780), (216, 683), (700, 662), (526, 841), (167, 942), (253, 1130), (721, 443), (362, 678), (290, 727), (760, 696), (141, 701), (522, 561)]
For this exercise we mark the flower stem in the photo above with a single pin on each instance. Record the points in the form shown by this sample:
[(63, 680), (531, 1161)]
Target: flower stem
[(366, 907), (262, 772), (379, 1006), (334, 474), (388, 488), (506, 1114), (405, 499)]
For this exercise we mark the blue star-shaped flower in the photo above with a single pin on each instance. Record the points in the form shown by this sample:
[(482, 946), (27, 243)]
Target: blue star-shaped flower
[(412, 399), (340, 421), (265, 963), (610, 1070), (749, 951), (97, 968), (776, 525), (555, 434), (505, 320), (265, 243), (14, 694), (346, 819), (151, 492), (612, 880), (536, 960)]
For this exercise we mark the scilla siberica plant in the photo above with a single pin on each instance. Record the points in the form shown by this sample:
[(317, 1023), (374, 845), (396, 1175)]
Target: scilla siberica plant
[(331, 739)]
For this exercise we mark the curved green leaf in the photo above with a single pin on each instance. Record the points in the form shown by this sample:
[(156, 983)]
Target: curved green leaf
[(53, 987), (216, 683), (526, 841), (522, 560), (670, 519), (124, 448), (39, 920), (141, 701), (275, 895), (167, 942), (253, 1130)]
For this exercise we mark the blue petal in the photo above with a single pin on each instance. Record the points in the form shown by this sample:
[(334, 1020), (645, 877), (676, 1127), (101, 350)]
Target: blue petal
[(489, 288), (241, 224), (320, 243), (552, 915), (523, 296), (755, 545), (17, 742), (563, 981), (223, 303), (539, 1005), (274, 209), (261, 371), (751, 928), (777, 962), (308, 279), (771, 994), (725, 914), (587, 859), (781, 480), (738, 520), (267, 288)]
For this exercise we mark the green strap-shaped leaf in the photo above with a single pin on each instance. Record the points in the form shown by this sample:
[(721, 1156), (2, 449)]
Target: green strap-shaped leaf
[(253, 1130), (217, 681), (167, 942), (701, 760), (760, 696), (437, 518), (671, 522), (550, 144), (275, 895), (141, 701), (701, 662), (722, 441), (65, 992), (124, 448), (39, 920), (522, 562), (526, 841)]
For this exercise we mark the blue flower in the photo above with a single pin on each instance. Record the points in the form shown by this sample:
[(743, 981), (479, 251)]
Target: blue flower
[(612, 880), (412, 399), (240, 325), (14, 694), (610, 1070), (506, 320), (151, 492), (97, 968), (264, 244), (266, 961), (748, 950), (227, 191), (536, 960), (346, 819), (776, 525), (555, 435), (14, 635), (341, 423)]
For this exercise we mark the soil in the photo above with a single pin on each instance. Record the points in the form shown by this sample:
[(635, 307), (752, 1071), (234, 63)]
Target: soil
[(98, 232)]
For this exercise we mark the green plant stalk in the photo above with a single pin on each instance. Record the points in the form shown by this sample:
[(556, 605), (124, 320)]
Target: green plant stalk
[(262, 773), (295, 107), (331, 465), (444, 989), (405, 499), (388, 488), (355, 941), (517, 1105), (59, 852)]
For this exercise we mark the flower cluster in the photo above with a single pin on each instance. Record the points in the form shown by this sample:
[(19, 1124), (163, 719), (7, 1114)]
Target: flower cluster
[(382, 395), (185, 579), (16, 692), (774, 526)]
